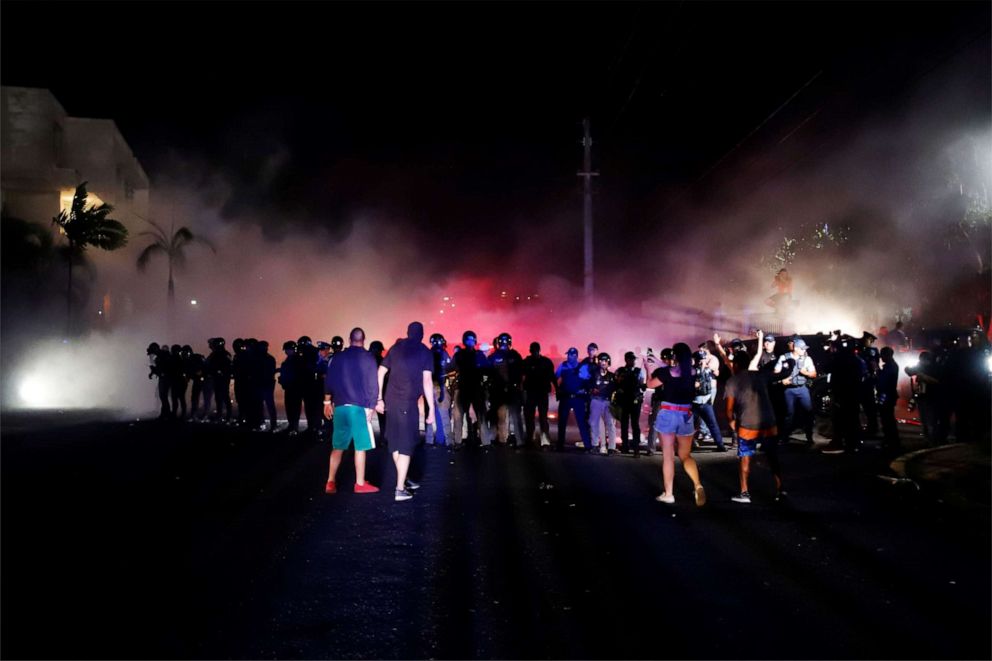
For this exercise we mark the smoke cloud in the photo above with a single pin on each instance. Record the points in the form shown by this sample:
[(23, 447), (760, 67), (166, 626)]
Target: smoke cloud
[(898, 180)]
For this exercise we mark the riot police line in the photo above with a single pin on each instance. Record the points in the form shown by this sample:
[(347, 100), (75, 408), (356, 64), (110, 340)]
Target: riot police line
[(502, 397)]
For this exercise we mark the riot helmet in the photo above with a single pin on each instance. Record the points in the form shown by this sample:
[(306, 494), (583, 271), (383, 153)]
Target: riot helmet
[(504, 341), (470, 336), (337, 343), (289, 345), (438, 341)]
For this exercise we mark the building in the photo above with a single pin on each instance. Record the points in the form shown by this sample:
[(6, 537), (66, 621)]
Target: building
[(46, 154)]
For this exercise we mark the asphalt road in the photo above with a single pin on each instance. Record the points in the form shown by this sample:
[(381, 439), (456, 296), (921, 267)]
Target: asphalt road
[(172, 540)]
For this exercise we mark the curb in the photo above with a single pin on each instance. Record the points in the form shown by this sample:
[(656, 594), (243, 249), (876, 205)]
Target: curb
[(899, 463)]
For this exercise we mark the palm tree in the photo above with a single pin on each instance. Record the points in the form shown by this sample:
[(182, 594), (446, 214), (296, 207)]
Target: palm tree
[(83, 227), (173, 245)]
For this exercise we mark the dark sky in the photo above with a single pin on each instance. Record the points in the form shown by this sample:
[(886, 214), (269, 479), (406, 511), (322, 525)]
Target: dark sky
[(468, 114)]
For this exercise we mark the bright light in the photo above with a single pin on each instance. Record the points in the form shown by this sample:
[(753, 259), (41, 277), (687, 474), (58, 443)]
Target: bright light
[(34, 391), (988, 363), (912, 361), (192, 302)]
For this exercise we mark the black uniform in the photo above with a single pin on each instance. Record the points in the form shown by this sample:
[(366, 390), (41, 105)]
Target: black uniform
[(219, 367), (629, 397)]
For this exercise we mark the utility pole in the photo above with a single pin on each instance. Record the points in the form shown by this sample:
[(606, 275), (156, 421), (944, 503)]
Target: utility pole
[(587, 175)]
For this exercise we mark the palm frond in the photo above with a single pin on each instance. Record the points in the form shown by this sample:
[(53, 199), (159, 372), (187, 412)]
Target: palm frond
[(155, 235), (108, 234), (147, 253)]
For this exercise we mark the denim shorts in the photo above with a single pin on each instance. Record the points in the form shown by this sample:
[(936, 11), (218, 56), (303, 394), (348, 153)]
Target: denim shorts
[(679, 423)]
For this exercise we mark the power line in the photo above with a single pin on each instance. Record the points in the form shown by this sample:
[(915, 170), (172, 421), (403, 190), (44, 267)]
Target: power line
[(757, 128)]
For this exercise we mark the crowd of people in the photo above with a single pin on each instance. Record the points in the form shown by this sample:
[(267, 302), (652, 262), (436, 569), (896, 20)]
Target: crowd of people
[(749, 397)]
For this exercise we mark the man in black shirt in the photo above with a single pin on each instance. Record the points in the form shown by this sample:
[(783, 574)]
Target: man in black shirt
[(538, 382), (410, 366)]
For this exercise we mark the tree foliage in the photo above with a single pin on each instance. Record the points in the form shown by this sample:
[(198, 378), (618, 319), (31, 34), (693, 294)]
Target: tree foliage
[(807, 239), (172, 246), (85, 226)]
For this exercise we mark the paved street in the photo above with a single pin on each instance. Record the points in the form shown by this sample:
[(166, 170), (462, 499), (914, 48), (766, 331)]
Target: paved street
[(176, 540)]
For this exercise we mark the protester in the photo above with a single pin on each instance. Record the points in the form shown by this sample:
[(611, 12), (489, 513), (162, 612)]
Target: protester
[(351, 394), (410, 365)]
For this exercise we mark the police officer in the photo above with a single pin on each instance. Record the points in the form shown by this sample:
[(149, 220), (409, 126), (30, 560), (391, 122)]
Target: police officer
[(797, 372), (871, 358), (506, 392), (291, 373), (159, 367), (888, 393), (239, 373), (573, 395), (313, 389), (437, 430), (847, 374), (325, 354), (219, 367), (178, 382), (629, 398), (471, 366), (251, 390), (267, 383), (600, 394), (203, 386)]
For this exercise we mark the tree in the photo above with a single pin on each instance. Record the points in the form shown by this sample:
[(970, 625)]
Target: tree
[(173, 246), (808, 239), (84, 226)]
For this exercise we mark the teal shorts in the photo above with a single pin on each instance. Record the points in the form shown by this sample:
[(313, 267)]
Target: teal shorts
[(351, 424)]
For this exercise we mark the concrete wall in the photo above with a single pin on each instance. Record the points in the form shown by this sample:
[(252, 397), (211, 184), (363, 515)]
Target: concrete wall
[(45, 153)]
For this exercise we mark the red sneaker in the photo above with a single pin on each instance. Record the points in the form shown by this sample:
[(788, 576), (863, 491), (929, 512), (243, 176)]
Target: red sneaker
[(330, 487), (366, 488)]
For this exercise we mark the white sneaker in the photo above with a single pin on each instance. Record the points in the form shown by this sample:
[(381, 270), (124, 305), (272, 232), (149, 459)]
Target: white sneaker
[(744, 497), (603, 450), (665, 498), (545, 441)]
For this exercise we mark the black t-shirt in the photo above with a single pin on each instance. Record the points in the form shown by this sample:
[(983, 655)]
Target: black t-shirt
[(676, 390), (752, 405), (407, 361), (539, 374)]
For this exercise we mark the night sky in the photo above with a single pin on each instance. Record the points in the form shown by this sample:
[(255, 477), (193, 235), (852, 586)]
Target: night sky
[(465, 118)]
